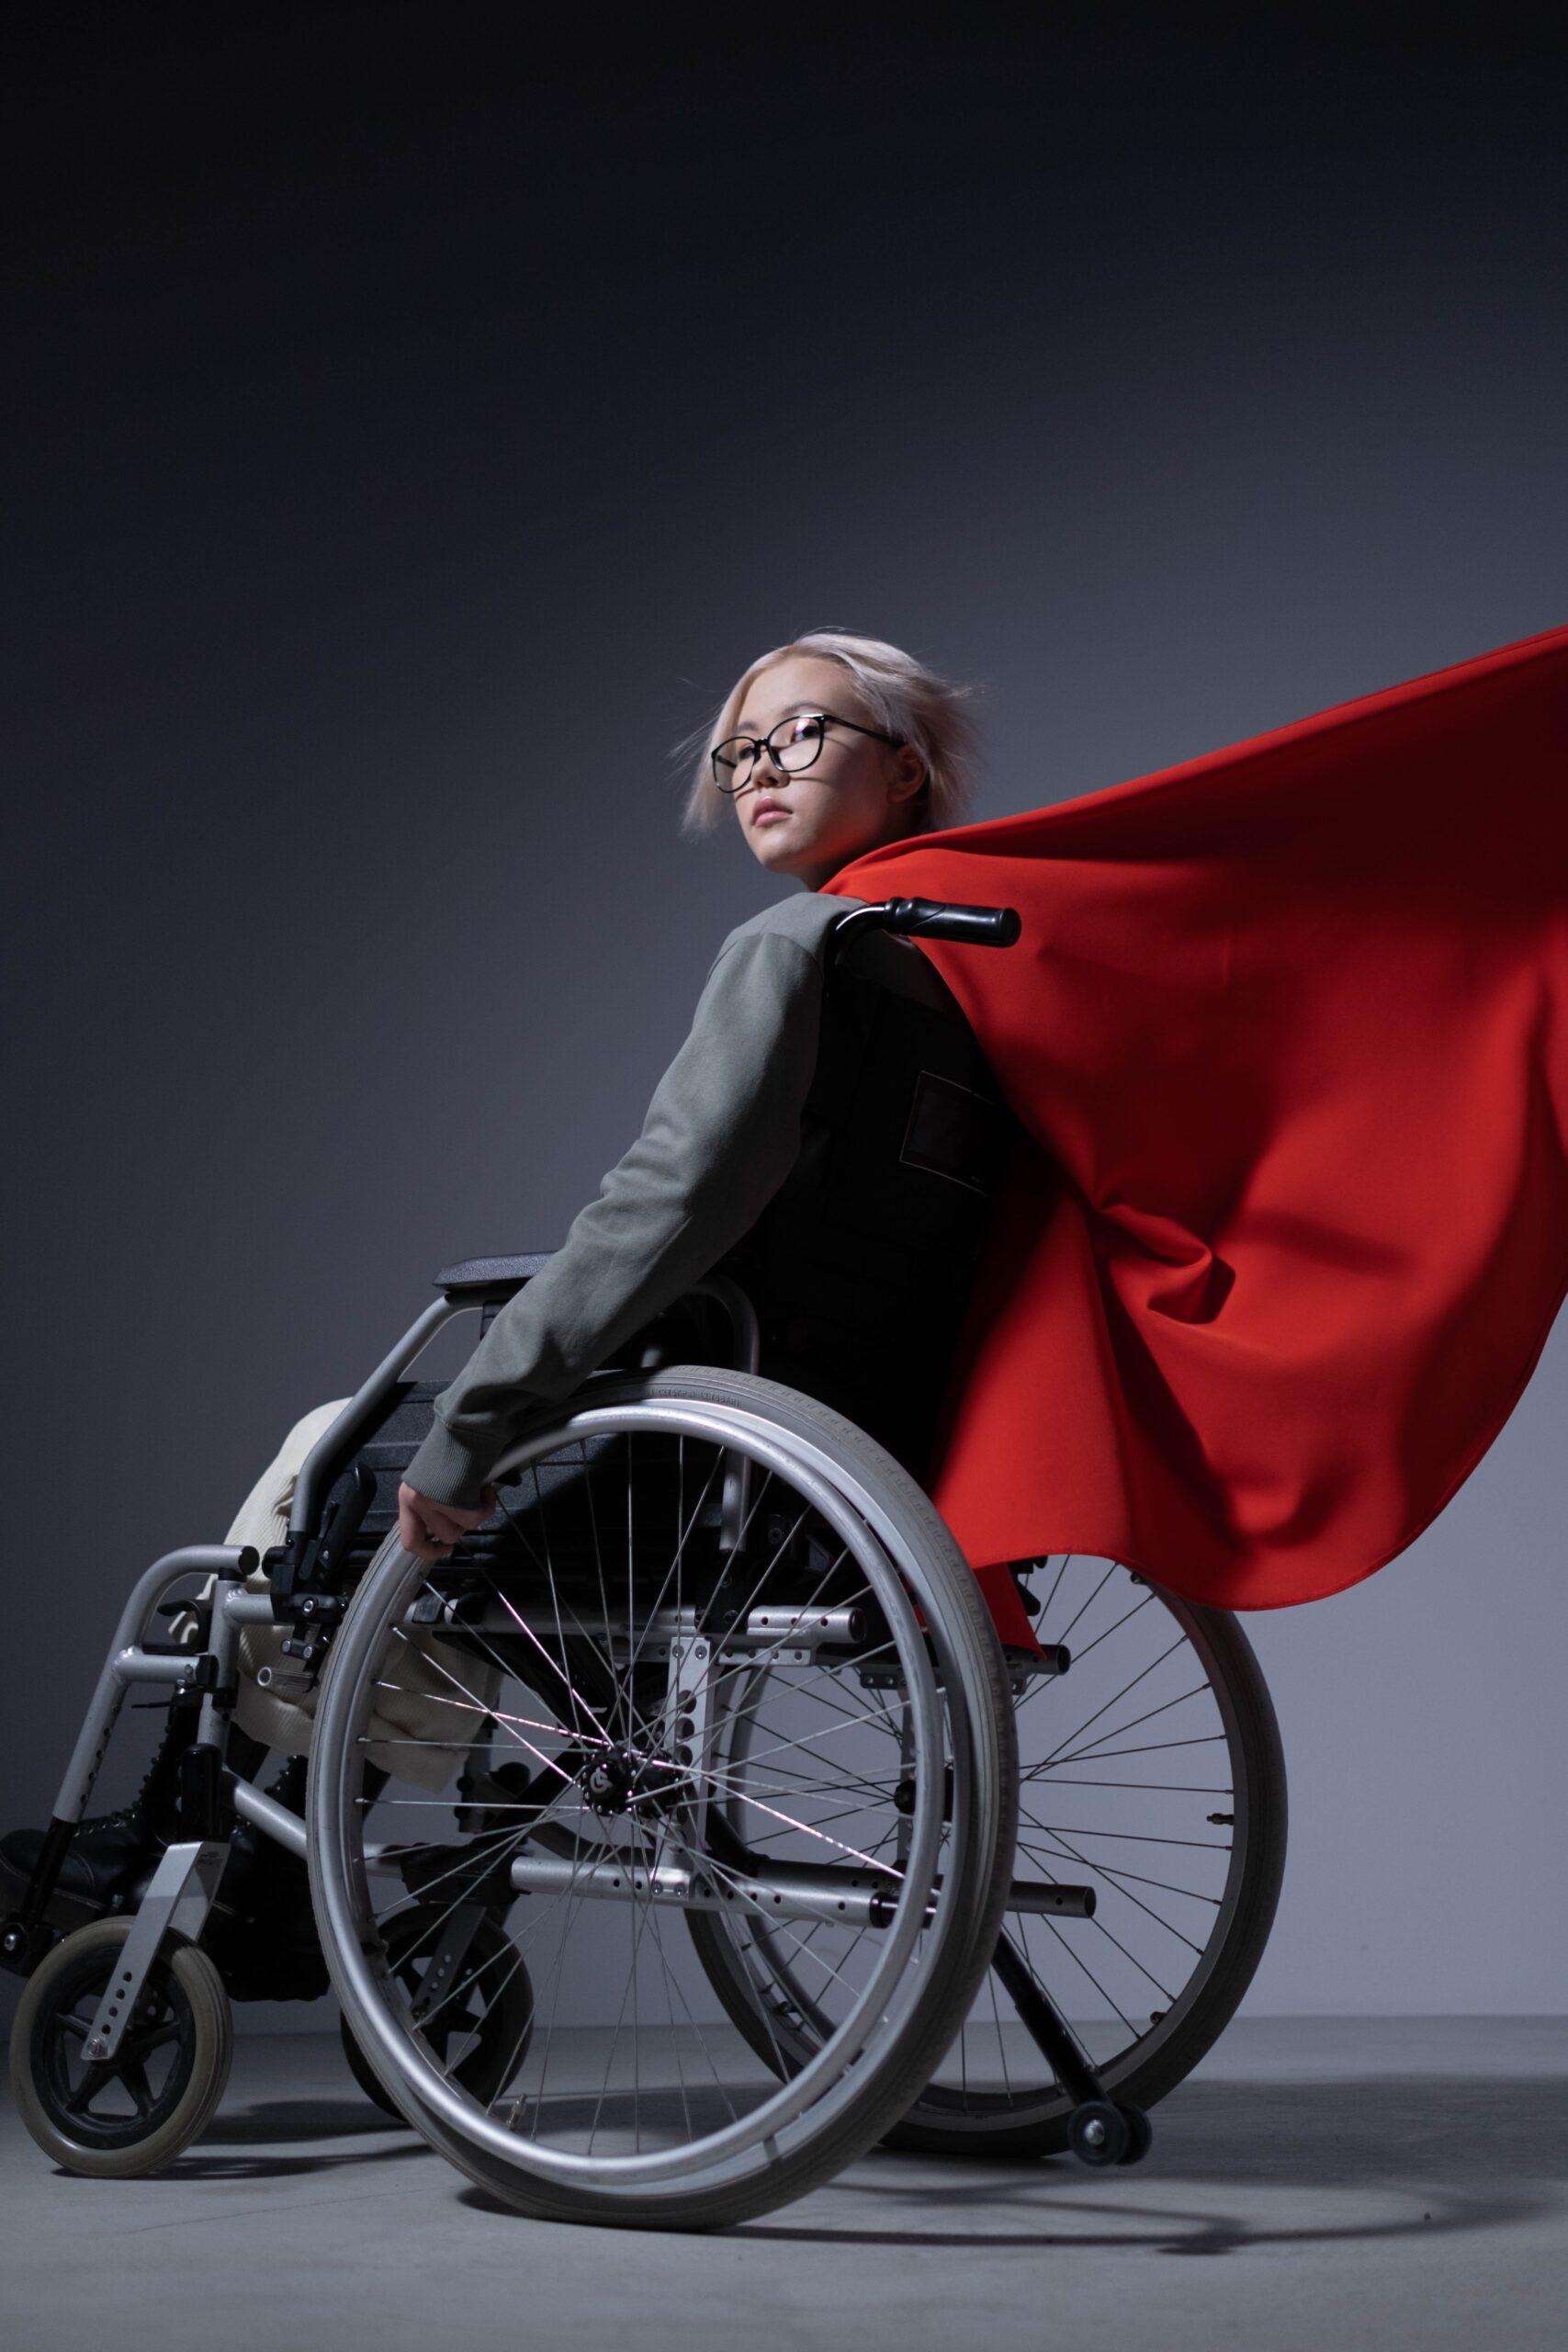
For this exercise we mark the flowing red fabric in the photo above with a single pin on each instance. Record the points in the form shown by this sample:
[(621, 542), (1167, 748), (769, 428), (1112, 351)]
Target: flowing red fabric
[(1287, 1029)]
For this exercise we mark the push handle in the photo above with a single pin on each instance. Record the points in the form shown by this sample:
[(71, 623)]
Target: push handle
[(939, 919), (932, 919)]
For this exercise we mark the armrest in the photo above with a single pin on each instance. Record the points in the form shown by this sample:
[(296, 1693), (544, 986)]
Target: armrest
[(471, 1276)]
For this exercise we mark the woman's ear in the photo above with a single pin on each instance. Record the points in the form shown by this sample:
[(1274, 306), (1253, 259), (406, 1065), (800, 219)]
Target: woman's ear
[(907, 775)]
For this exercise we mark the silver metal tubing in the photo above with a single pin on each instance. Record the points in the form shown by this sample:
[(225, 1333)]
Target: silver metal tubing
[(782, 1635), (248, 1608), (1045, 1902), (814, 1891), (223, 1560), (778, 1891), (363, 1401), (802, 1628), (793, 1891), (273, 1819), (136, 1664)]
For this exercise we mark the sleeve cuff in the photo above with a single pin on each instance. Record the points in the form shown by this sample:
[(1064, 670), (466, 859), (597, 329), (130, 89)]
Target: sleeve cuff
[(446, 1470)]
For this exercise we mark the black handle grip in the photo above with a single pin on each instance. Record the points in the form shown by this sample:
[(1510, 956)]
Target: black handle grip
[(937, 918)]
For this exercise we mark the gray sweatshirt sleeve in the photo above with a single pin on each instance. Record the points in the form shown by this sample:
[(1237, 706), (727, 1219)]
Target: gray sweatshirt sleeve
[(721, 1134)]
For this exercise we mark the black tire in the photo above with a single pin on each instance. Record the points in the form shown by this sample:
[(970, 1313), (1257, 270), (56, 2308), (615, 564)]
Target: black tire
[(183, 2009)]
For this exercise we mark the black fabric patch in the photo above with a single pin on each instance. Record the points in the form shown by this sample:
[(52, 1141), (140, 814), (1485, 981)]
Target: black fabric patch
[(954, 1132)]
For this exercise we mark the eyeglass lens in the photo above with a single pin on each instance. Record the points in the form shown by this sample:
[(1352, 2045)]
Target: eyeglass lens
[(793, 744)]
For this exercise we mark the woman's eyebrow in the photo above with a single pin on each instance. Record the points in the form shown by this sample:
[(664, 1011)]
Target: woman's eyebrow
[(742, 724)]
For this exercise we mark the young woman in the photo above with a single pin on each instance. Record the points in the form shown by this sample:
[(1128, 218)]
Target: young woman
[(832, 1142), (826, 747)]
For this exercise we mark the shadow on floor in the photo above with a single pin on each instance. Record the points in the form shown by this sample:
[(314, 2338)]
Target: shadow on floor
[(272, 2120), (1153, 2226), (1336, 2135), (1420, 2138), (1417, 2139)]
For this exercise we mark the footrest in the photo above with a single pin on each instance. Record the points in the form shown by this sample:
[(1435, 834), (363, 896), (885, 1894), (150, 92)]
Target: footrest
[(64, 1910)]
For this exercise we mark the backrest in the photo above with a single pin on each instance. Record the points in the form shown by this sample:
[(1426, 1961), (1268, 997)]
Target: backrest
[(861, 1265)]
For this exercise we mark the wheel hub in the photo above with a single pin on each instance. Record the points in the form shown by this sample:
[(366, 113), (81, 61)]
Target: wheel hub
[(617, 1778)]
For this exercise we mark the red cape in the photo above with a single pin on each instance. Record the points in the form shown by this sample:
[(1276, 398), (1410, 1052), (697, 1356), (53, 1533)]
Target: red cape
[(1287, 1028)]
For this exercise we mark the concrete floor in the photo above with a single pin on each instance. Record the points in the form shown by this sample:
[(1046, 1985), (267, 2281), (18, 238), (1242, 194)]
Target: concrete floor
[(1385, 2182)]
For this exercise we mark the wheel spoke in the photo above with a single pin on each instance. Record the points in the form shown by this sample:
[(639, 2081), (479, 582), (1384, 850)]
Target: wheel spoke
[(80, 2095), (133, 2074)]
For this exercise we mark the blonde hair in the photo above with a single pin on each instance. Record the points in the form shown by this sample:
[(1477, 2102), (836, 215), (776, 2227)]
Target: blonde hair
[(894, 691)]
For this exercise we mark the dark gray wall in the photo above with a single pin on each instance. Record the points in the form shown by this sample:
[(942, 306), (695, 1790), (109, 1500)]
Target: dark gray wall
[(417, 430)]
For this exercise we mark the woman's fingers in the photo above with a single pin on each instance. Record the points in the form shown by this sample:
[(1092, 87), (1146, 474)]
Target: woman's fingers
[(429, 1529), (412, 1533)]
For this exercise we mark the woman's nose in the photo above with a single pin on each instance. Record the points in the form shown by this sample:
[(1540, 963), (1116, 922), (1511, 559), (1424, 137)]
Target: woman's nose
[(775, 773)]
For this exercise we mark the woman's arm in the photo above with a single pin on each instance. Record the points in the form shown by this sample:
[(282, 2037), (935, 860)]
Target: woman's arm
[(721, 1134)]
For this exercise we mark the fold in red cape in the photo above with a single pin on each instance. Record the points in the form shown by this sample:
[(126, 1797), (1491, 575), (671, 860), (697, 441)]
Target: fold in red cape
[(1287, 1028)]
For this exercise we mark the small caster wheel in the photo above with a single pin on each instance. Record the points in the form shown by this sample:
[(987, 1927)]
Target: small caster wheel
[(117, 2118), (489, 2008), (1099, 2133), (1140, 2136)]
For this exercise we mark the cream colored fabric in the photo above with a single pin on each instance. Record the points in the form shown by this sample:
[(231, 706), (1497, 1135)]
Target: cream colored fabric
[(422, 1727)]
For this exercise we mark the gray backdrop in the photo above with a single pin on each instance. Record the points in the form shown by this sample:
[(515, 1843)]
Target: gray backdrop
[(415, 438)]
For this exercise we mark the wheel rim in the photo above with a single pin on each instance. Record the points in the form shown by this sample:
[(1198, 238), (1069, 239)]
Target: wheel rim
[(1128, 1738), (584, 1700)]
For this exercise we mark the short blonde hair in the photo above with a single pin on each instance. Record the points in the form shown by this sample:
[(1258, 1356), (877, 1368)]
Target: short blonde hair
[(894, 691)]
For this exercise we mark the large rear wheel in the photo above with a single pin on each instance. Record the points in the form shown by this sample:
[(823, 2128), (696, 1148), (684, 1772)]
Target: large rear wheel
[(1152, 1814), (665, 1542)]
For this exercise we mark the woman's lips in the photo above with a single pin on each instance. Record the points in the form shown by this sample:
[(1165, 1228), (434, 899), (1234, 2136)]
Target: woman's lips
[(769, 816)]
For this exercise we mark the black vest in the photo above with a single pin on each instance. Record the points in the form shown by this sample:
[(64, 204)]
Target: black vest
[(861, 1265)]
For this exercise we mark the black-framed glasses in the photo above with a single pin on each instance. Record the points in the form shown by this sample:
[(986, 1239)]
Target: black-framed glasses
[(792, 745)]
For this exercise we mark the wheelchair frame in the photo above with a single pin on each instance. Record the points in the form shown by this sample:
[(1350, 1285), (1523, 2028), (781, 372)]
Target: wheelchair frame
[(184, 1883), (306, 1576)]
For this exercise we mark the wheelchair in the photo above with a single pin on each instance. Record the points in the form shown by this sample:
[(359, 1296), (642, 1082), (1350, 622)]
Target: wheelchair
[(687, 1830)]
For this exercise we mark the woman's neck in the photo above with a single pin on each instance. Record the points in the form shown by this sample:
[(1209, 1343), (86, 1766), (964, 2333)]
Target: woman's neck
[(813, 877)]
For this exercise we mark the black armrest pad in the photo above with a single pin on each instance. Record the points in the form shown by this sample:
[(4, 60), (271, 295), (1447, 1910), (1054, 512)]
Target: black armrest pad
[(470, 1274)]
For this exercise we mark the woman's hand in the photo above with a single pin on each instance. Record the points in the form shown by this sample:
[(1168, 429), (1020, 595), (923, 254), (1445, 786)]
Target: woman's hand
[(429, 1529)]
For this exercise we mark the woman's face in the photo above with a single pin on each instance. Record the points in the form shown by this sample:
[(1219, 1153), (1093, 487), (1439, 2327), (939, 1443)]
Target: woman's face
[(858, 792)]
